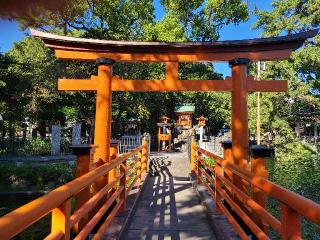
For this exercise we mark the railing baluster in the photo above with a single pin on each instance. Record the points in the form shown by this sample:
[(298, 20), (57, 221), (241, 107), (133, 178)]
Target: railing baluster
[(199, 158), (123, 170), (290, 223), (218, 185), (259, 167), (193, 155), (144, 156), (139, 165), (60, 220)]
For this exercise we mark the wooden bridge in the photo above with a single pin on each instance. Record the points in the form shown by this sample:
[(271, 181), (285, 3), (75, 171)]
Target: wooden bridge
[(167, 205), (103, 201)]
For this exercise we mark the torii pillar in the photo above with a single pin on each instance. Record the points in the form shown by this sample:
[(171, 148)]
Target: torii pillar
[(239, 114), (102, 127), (102, 85)]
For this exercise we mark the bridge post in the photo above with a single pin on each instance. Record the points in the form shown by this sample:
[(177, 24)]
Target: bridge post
[(227, 155), (84, 154), (113, 155), (139, 165), (60, 220), (144, 156), (259, 167), (290, 223), (193, 144), (199, 158), (123, 182), (102, 130)]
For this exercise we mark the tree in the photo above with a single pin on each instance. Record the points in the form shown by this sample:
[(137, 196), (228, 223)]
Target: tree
[(292, 16), (121, 20)]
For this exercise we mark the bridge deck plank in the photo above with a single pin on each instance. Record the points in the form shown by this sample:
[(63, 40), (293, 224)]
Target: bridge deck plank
[(168, 207)]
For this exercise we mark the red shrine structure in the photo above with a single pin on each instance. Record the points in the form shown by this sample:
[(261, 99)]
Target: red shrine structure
[(184, 113)]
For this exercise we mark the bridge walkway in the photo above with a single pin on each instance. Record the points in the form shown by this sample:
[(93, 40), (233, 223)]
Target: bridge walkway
[(168, 207)]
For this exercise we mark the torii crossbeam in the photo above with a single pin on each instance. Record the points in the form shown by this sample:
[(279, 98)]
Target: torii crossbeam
[(238, 53)]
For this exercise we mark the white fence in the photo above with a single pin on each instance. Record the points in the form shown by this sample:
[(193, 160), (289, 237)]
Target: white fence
[(128, 143), (213, 146)]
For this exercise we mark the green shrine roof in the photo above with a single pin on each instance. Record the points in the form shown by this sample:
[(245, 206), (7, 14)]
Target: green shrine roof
[(184, 108)]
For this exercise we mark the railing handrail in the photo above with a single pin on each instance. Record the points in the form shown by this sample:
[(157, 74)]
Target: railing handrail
[(298, 203), (31, 212)]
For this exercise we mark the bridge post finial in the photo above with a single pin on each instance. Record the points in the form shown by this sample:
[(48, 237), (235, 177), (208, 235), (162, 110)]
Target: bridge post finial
[(239, 61), (105, 61)]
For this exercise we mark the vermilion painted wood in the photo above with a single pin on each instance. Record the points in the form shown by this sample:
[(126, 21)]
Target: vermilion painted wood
[(247, 220), (171, 57), (89, 205), (171, 84), (60, 220), (82, 167), (239, 121), (239, 116), (16, 221), (291, 223), (103, 113), (199, 158), (105, 225), (96, 218), (193, 156), (293, 206), (138, 166), (102, 130), (258, 167), (144, 157), (123, 182), (255, 49), (262, 212), (172, 53), (233, 222), (113, 156)]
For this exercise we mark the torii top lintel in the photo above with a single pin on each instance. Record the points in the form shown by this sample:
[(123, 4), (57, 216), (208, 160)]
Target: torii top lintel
[(254, 49)]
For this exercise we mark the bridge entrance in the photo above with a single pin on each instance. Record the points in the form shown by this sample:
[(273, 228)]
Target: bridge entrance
[(168, 207)]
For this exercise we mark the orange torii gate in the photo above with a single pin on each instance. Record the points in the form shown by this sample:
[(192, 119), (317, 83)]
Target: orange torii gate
[(238, 53)]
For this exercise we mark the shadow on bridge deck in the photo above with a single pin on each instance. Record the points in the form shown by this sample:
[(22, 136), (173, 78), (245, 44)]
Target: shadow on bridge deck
[(168, 207)]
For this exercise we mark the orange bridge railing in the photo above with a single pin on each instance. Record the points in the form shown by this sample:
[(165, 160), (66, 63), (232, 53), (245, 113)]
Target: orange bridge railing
[(233, 200), (110, 199)]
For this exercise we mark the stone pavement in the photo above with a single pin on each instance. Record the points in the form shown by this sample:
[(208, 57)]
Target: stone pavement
[(169, 207)]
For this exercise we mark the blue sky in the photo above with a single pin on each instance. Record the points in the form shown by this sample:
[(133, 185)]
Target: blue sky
[(10, 32)]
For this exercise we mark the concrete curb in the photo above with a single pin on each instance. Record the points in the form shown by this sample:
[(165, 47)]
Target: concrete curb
[(220, 225), (121, 221)]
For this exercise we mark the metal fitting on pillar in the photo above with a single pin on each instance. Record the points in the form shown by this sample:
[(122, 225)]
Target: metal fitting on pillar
[(239, 61), (105, 61)]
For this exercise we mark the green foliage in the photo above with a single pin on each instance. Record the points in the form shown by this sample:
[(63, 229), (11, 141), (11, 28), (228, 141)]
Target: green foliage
[(296, 166), (34, 177), (30, 146), (70, 113), (36, 146), (167, 29), (289, 16), (202, 20), (209, 161)]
